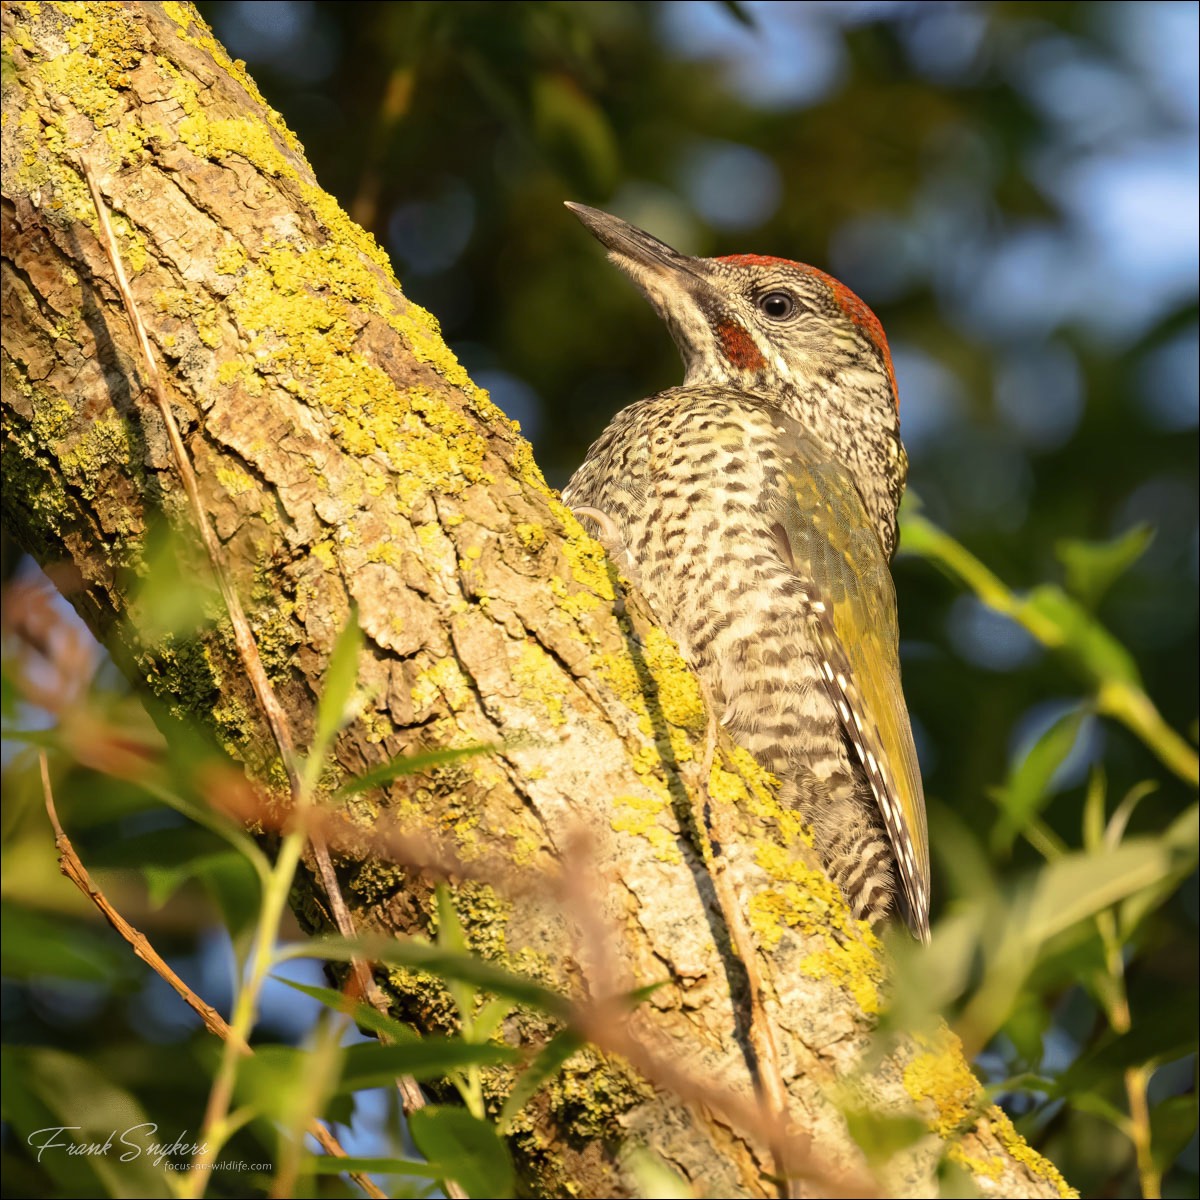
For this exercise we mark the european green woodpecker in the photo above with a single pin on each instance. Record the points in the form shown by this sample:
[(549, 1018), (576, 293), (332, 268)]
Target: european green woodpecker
[(755, 508)]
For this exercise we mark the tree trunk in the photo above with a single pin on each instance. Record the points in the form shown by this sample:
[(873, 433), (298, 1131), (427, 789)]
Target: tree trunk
[(347, 462)]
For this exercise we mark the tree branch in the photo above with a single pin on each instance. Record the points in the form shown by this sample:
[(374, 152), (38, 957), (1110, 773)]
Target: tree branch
[(344, 459)]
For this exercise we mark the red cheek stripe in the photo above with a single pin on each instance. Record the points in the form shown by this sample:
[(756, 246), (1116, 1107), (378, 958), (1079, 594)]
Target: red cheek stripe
[(739, 346)]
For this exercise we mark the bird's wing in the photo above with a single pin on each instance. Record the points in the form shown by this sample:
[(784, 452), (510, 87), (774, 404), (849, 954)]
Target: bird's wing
[(826, 537)]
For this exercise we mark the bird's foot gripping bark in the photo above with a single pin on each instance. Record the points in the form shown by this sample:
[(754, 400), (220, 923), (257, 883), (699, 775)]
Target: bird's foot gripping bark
[(611, 539)]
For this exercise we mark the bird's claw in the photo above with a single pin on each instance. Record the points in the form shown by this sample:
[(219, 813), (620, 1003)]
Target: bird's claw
[(610, 538)]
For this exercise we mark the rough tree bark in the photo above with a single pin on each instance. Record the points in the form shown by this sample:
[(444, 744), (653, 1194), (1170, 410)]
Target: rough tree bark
[(346, 459)]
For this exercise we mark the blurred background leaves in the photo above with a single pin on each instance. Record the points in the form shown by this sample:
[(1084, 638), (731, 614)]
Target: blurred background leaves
[(1012, 187)]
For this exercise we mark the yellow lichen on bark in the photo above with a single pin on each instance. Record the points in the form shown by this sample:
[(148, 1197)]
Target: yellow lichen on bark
[(350, 464)]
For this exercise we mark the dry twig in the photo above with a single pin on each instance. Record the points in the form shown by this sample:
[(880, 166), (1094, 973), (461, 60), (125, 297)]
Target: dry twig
[(70, 864)]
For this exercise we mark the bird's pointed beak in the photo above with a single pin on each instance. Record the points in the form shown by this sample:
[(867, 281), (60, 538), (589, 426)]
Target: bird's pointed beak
[(675, 285), (631, 248)]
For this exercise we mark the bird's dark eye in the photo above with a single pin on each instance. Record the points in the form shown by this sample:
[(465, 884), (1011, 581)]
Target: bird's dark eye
[(777, 305)]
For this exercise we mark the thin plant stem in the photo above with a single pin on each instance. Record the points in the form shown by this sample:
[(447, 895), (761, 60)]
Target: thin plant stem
[(1137, 1078), (1116, 698), (72, 867)]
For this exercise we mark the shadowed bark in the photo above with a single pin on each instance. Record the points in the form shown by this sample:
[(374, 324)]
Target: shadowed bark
[(347, 461)]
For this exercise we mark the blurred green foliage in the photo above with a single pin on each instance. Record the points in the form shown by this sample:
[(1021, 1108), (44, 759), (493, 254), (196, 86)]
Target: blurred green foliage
[(1007, 185)]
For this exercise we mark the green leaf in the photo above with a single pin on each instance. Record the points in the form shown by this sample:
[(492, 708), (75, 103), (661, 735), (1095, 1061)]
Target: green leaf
[(1027, 1082), (270, 1083), (1093, 567), (639, 995), (411, 764), (419, 955), (930, 978), (1182, 838), (653, 1179), (574, 130), (452, 936), (369, 1064), (1171, 1034), (451, 1135), (1076, 956), (322, 1164), (1056, 904), (881, 1136), (545, 1065), (961, 858), (48, 739), (1054, 618), (487, 1020), (234, 887), (205, 815), (1080, 633), (44, 1089), (1028, 787), (1062, 623), (168, 858), (955, 1182), (169, 848), (362, 1014), (450, 931), (1094, 809), (1124, 811), (33, 943), (337, 690), (1098, 1106), (1026, 1026), (1078, 886), (283, 1085), (1172, 1124), (173, 601)]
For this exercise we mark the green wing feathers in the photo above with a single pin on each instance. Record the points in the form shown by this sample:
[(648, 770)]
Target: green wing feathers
[(834, 548)]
